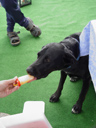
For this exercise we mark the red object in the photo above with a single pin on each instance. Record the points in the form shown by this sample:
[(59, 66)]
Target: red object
[(18, 82)]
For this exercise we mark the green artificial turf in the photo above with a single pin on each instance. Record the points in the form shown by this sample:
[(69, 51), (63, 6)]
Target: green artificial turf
[(57, 19)]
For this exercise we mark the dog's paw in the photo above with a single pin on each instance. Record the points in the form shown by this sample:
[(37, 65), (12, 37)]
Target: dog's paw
[(74, 78), (54, 98), (76, 109)]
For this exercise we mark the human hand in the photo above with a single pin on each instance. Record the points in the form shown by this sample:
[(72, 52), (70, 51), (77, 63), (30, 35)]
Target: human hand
[(7, 87)]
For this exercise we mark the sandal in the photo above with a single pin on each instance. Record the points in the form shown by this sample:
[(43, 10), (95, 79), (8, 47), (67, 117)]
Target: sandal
[(14, 39), (34, 30)]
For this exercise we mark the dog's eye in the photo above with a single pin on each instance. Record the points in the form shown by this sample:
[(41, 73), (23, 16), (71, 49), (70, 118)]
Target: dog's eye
[(46, 60)]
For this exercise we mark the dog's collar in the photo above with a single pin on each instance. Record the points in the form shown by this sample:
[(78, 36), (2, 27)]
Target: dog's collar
[(76, 59), (75, 39)]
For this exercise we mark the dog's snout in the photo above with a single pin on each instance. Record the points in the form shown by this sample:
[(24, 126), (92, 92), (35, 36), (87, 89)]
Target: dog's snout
[(32, 71), (28, 70)]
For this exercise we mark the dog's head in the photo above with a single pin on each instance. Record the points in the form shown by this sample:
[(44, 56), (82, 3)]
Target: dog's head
[(52, 57)]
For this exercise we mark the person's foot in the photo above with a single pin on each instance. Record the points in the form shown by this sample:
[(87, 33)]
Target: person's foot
[(14, 38), (34, 30)]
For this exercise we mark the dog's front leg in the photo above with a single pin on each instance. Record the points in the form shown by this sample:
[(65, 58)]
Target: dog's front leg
[(78, 106), (56, 95)]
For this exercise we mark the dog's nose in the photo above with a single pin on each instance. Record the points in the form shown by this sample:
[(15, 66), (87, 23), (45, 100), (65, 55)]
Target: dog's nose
[(32, 71), (28, 70)]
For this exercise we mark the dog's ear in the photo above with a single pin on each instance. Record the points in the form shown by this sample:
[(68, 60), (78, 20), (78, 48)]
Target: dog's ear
[(69, 57)]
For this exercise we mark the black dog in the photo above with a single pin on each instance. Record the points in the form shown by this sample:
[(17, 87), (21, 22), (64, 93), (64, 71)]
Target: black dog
[(64, 56)]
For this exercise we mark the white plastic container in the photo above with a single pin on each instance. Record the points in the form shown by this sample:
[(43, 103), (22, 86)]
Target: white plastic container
[(32, 117)]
